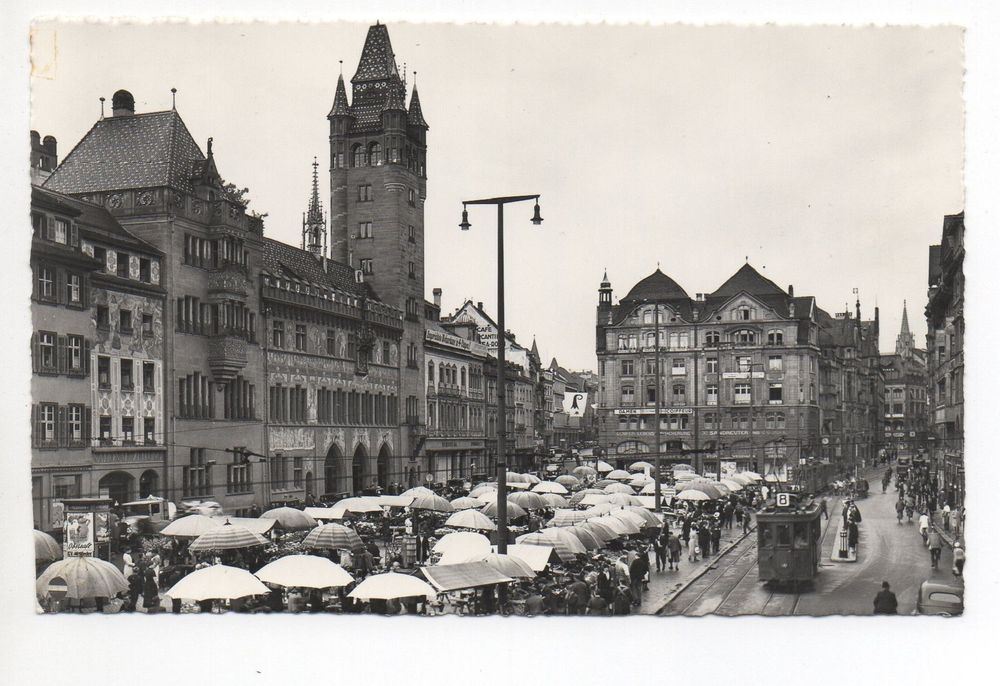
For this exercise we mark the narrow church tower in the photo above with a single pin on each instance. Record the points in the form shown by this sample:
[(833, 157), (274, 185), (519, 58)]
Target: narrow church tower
[(904, 341), (314, 220)]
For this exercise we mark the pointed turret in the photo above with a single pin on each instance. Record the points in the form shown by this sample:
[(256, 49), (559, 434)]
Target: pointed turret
[(394, 101), (340, 107), (904, 341), (534, 349), (313, 220), (415, 116)]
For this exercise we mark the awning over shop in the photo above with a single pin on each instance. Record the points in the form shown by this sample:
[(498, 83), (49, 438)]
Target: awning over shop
[(537, 556), (463, 575)]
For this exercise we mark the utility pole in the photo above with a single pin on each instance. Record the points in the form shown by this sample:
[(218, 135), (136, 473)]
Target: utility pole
[(659, 388)]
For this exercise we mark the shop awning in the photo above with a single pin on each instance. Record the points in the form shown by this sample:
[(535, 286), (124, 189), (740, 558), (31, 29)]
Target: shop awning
[(463, 575), (537, 556)]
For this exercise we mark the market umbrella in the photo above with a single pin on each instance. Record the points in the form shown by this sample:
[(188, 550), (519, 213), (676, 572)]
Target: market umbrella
[(289, 518), (553, 500), (595, 499), (462, 545), (358, 504), (528, 500), (603, 466), (470, 519), (464, 503), (82, 577), (583, 471), (742, 479), (620, 525), (648, 517), (514, 511), (418, 490), (618, 488), (305, 571), (604, 483), (488, 497), (226, 537), (640, 466), (578, 497), (434, 503), (392, 585), (682, 467), (514, 478), (598, 529), (587, 538), (482, 489), (650, 489), (619, 474), (531, 479), (566, 545), (569, 517), (191, 526), (732, 484), (691, 494), (509, 565), (705, 487), (753, 475), (630, 516), (623, 499), (218, 582), (333, 537), (549, 487), (567, 480), (46, 547), (519, 485)]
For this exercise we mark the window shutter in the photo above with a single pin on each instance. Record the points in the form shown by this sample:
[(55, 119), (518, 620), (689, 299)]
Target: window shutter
[(61, 425), (61, 361), (50, 228), (59, 286), (74, 234), (35, 352), (36, 432), (86, 357), (86, 426)]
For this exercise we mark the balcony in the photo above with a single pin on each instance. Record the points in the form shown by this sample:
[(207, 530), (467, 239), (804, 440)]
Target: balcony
[(227, 355), (229, 280)]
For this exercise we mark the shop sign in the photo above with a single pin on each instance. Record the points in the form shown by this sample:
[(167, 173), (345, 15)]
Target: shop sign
[(652, 410), (742, 375)]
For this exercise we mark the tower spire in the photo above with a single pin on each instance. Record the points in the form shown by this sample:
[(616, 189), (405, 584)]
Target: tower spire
[(313, 219), (904, 341)]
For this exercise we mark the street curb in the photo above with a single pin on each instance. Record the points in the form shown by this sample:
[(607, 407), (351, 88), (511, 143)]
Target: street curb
[(702, 573)]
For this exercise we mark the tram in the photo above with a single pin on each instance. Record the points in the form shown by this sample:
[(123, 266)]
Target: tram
[(788, 540)]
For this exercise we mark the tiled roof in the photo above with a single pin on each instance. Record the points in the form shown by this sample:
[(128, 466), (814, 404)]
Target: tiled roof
[(94, 220), (749, 280), (281, 259), (377, 59), (656, 286), (340, 106), (131, 151)]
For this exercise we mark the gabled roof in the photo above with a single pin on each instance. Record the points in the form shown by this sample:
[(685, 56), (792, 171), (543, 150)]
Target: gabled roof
[(656, 286), (281, 259), (748, 280), (94, 221), (415, 115), (130, 151)]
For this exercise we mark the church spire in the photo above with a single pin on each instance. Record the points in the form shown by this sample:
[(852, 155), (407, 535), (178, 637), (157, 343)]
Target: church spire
[(313, 219), (904, 341), (904, 330)]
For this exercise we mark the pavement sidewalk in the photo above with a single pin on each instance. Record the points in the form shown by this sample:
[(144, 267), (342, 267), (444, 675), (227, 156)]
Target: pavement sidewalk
[(663, 586)]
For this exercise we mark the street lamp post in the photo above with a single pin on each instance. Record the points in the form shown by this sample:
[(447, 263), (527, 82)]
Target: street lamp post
[(501, 354)]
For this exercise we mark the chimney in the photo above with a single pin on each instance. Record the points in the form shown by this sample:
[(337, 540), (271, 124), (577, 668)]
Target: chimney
[(699, 297), (479, 305), (122, 104), (437, 297), (791, 291)]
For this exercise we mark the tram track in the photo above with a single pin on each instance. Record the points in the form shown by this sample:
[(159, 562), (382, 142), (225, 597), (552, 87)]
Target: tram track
[(733, 589)]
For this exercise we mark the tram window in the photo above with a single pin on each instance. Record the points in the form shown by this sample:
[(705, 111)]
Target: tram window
[(801, 531), (766, 538), (784, 535)]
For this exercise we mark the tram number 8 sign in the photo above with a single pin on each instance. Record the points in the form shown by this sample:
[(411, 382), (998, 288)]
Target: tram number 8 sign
[(783, 499)]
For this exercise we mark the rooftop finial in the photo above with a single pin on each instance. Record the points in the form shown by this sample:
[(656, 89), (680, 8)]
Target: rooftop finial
[(341, 67), (173, 99), (209, 146), (102, 107)]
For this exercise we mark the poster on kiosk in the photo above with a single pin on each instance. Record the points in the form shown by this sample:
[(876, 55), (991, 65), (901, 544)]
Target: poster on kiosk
[(87, 527), (78, 534)]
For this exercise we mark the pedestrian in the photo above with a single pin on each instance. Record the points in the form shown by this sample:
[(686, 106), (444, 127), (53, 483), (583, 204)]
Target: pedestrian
[(637, 573), (925, 525), (134, 589), (692, 546), (716, 538), (623, 600), (129, 564), (852, 536), (885, 601), (747, 514), (674, 550), (823, 508), (704, 538), (660, 548), (958, 557), (946, 517), (621, 570), (150, 592), (934, 545)]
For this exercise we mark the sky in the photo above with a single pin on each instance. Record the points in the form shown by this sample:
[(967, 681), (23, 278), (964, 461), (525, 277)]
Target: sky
[(826, 156)]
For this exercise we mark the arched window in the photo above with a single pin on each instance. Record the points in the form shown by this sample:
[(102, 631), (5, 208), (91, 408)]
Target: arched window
[(375, 154), (632, 447), (430, 372), (358, 156), (647, 317), (745, 336), (712, 337), (442, 373), (649, 339), (463, 377), (775, 337)]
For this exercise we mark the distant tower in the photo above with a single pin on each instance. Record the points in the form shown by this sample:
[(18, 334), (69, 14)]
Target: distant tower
[(904, 341), (314, 220), (604, 300)]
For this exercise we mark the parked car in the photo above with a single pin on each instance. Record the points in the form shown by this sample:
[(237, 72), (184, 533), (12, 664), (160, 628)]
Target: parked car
[(940, 598)]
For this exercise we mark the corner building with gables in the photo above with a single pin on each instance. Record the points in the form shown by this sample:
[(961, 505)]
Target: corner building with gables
[(739, 374)]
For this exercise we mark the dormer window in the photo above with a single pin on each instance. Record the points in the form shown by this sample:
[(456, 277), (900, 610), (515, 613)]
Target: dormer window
[(743, 313)]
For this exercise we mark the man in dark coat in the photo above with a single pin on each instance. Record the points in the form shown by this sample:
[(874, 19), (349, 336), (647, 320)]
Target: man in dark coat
[(623, 600), (674, 552), (704, 539), (637, 573), (660, 547), (885, 601), (134, 589)]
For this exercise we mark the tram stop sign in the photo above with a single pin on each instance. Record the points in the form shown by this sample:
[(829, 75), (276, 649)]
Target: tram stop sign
[(783, 499), (57, 588)]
